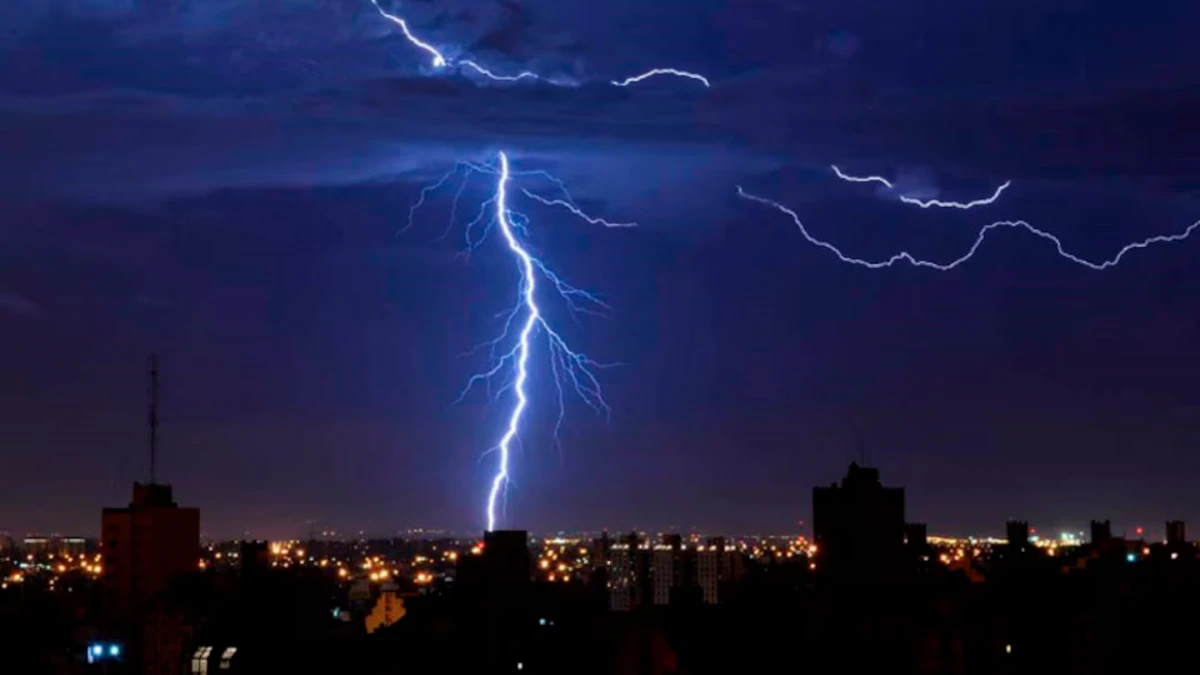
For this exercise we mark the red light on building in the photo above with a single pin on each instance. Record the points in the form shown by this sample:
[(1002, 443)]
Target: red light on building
[(1139, 531)]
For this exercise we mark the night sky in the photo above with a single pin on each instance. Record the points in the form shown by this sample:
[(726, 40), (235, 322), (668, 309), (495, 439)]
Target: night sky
[(227, 182)]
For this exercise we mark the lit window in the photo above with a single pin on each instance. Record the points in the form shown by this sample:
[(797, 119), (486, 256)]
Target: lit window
[(227, 657), (200, 661)]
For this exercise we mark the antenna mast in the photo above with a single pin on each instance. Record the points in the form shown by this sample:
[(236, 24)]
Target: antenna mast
[(153, 416)]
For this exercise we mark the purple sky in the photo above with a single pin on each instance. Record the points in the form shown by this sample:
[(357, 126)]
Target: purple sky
[(225, 182)]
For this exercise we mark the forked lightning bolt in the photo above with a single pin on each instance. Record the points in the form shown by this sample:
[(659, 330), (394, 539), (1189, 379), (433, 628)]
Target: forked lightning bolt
[(512, 351), (440, 60), (906, 257), (923, 203)]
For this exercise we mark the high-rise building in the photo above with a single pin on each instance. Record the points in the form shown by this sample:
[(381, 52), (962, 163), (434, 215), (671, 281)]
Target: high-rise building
[(859, 526), (622, 576), (664, 573), (1176, 533), (708, 569), (629, 578), (506, 561), (717, 564), (1101, 532), (146, 545)]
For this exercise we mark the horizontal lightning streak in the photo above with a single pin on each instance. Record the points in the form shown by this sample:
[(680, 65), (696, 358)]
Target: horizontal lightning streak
[(906, 257), (524, 75), (923, 203), (440, 60), (656, 72), (570, 206)]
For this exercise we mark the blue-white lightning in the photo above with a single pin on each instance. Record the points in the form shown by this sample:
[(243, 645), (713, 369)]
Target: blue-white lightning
[(440, 60), (526, 322), (658, 72), (923, 203), (906, 257), (532, 320)]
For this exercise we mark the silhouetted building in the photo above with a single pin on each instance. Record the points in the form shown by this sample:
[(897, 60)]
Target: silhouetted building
[(255, 557), (859, 526), (507, 574), (1101, 532), (916, 536), (669, 565), (664, 573), (1176, 533), (601, 550), (146, 545), (506, 560), (1017, 533), (624, 573)]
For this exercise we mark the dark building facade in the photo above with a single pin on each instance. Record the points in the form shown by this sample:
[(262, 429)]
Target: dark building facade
[(147, 545), (859, 527)]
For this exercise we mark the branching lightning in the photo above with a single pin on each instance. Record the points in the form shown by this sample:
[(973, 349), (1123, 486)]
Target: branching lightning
[(923, 203), (906, 257), (440, 60), (511, 352)]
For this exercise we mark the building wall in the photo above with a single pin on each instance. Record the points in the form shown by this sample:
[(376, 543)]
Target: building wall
[(389, 609), (144, 548), (664, 574), (622, 579)]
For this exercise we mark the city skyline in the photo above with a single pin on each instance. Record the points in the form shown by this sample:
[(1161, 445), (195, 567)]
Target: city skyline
[(244, 213)]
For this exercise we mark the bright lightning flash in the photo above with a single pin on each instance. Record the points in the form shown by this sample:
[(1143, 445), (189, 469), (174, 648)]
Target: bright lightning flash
[(923, 203), (441, 61), (533, 319), (906, 257), (512, 351)]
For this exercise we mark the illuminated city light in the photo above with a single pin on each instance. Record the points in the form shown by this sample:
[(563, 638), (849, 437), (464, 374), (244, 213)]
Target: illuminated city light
[(906, 257), (923, 203)]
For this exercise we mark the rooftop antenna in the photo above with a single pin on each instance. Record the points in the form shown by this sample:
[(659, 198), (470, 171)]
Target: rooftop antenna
[(153, 416)]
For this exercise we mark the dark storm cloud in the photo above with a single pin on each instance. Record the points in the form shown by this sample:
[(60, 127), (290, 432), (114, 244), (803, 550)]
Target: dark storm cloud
[(18, 305)]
